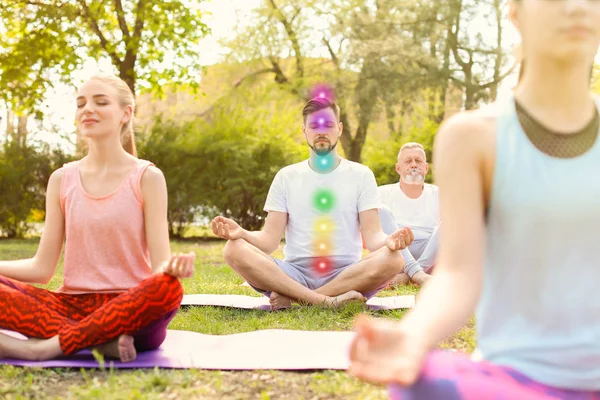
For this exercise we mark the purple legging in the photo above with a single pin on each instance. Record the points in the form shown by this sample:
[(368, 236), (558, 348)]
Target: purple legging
[(153, 335), (453, 376)]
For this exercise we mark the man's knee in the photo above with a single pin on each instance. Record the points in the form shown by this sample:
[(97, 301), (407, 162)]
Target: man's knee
[(389, 263), (395, 262), (233, 250)]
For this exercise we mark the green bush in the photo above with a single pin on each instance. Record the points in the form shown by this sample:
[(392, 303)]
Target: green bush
[(24, 174), (223, 165)]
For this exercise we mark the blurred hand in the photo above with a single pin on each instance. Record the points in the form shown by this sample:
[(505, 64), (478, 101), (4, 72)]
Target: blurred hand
[(226, 228), (385, 352), (400, 239), (180, 265)]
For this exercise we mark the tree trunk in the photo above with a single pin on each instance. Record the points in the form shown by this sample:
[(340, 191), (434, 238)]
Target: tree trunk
[(470, 93), (390, 116), (445, 78), (127, 72), (346, 137), (358, 142), (21, 135), (498, 61), (10, 125)]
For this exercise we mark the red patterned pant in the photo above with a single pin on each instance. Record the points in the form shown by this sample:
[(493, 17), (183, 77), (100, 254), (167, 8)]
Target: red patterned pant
[(86, 320)]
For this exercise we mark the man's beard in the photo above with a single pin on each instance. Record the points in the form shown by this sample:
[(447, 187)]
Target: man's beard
[(413, 177), (323, 151)]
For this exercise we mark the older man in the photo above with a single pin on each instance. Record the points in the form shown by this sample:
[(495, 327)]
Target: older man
[(412, 202)]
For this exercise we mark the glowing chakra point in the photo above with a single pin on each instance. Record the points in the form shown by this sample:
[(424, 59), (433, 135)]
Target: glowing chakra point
[(322, 245), (323, 91), (324, 200), (323, 225), (322, 266), (323, 163)]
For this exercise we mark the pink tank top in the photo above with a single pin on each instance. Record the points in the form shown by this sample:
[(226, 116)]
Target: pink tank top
[(105, 246)]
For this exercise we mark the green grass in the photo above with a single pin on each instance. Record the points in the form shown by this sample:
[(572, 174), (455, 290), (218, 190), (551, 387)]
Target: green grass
[(212, 276)]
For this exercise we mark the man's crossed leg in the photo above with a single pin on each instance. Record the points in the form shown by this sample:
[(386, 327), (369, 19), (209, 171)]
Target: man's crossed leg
[(287, 282)]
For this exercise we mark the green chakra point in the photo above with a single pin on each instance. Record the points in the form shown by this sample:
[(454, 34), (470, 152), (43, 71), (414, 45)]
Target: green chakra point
[(324, 200)]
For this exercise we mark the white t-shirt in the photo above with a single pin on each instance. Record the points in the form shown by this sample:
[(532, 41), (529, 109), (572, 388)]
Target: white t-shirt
[(353, 189), (421, 214)]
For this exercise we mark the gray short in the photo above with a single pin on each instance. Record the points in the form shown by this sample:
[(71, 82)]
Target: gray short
[(301, 270)]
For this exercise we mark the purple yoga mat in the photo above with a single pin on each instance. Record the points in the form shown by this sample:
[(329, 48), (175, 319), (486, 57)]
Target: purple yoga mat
[(262, 303), (276, 349)]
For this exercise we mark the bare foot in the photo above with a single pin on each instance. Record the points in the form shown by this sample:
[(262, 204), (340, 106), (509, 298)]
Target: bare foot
[(420, 278), (345, 298), (121, 348), (399, 280), (279, 302)]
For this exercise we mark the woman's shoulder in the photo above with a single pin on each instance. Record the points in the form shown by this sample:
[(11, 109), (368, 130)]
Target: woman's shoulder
[(150, 174), (471, 124), (469, 131), (59, 174)]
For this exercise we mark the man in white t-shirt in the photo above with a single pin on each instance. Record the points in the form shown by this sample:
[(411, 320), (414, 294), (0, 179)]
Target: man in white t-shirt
[(323, 205), (414, 203)]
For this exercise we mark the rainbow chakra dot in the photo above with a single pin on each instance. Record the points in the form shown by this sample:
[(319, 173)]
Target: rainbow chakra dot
[(324, 200), (323, 91), (324, 162), (322, 265), (322, 246), (323, 226)]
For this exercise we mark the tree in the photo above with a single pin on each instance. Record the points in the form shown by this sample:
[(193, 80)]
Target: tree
[(16, 133), (359, 50), (24, 175), (382, 57), (225, 165), (474, 54), (150, 43)]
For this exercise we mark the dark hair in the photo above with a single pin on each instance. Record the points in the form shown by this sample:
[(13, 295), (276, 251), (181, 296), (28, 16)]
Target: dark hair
[(318, 104)]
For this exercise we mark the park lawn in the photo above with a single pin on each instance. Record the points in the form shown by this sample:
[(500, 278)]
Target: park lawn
[(212, 276)]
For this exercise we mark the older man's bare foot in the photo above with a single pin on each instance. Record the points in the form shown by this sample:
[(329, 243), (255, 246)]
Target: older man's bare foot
[(345, 298), (420, 278), (121, 348), (399, 280), (279, 302)]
